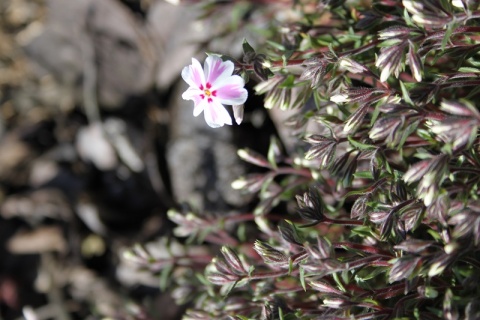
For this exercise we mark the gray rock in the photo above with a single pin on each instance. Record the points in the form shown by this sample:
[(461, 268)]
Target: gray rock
[(103, 34), (179, 35), (203, 161)]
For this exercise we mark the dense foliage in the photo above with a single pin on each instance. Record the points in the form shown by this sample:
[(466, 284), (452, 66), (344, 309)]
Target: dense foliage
[(375, 214)]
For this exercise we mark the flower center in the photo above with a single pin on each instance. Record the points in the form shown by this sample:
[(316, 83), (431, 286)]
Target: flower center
[(207, 92)]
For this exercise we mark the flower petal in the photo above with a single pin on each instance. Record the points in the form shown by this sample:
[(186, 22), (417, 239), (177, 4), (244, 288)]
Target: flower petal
[(193, 74), (231, 91), (216, 69), (238, 113), (199, 107), (216, 115), (198, 101), (191, 93)]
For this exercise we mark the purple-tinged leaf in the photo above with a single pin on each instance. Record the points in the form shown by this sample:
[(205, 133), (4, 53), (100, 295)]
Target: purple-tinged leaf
[(390, 61), (416, 65), (417, 171), (289, 234), (385, 127), (414, 245), (459, 108), (403, 267), (315, 71), (438, 210), (222, 266), (324, 248), (449, 311), (250, 183), (253, 157), (439, 264), (359, 208), (335, 303), (356, 119), (395, 32), (387, 225), (466, 223), (233, 261), (221, 279), (310, 206), (327, 266), (324, 287), (353, 66), (378, 216), (271, 255)]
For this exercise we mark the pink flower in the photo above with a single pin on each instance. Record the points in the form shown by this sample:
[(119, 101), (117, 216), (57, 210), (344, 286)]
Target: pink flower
[(212, 87)]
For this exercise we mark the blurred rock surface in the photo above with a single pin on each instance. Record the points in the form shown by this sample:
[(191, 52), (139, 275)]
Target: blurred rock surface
[(203, 161), (103, 33)]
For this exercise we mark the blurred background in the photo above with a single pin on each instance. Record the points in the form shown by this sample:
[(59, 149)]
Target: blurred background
[(96, 145)]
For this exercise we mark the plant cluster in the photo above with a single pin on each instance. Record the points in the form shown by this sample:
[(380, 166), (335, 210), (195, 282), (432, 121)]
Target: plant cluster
[(384, 180)]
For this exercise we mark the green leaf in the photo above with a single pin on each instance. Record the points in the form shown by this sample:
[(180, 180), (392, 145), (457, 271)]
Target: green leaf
[(276, 45), (245, 76), (302, 279), (390, 42), (359, 145), (405, 94), (469, 69), (273, 151), (247, 48), (287, 55), (288, 83), (407, 132), (290, 266), (338, 282), (448, 34), (250, 270), (242, 232), (408, 19), (165, 277), (203, 280), (363, 175), (226, 289), (224, 58)]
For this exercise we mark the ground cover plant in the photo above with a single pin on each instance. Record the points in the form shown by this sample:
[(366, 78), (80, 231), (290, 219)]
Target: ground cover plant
[(374, 213)]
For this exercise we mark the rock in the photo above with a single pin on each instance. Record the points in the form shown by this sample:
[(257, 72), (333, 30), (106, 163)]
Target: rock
[(42, 239), (93, 146), (203, 161), (179, 35), (100, 40)]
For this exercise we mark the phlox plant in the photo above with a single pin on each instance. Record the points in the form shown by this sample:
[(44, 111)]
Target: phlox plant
[(383, 182)]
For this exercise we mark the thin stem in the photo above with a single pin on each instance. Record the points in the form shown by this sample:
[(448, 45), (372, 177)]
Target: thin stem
[(368, 261), (221, 238), (461, 84), (187, 260), (288, 170), (268, 275), (434, 116), (468, 170), (250, 217), (342, 222), (361, 247), (366, 47)]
